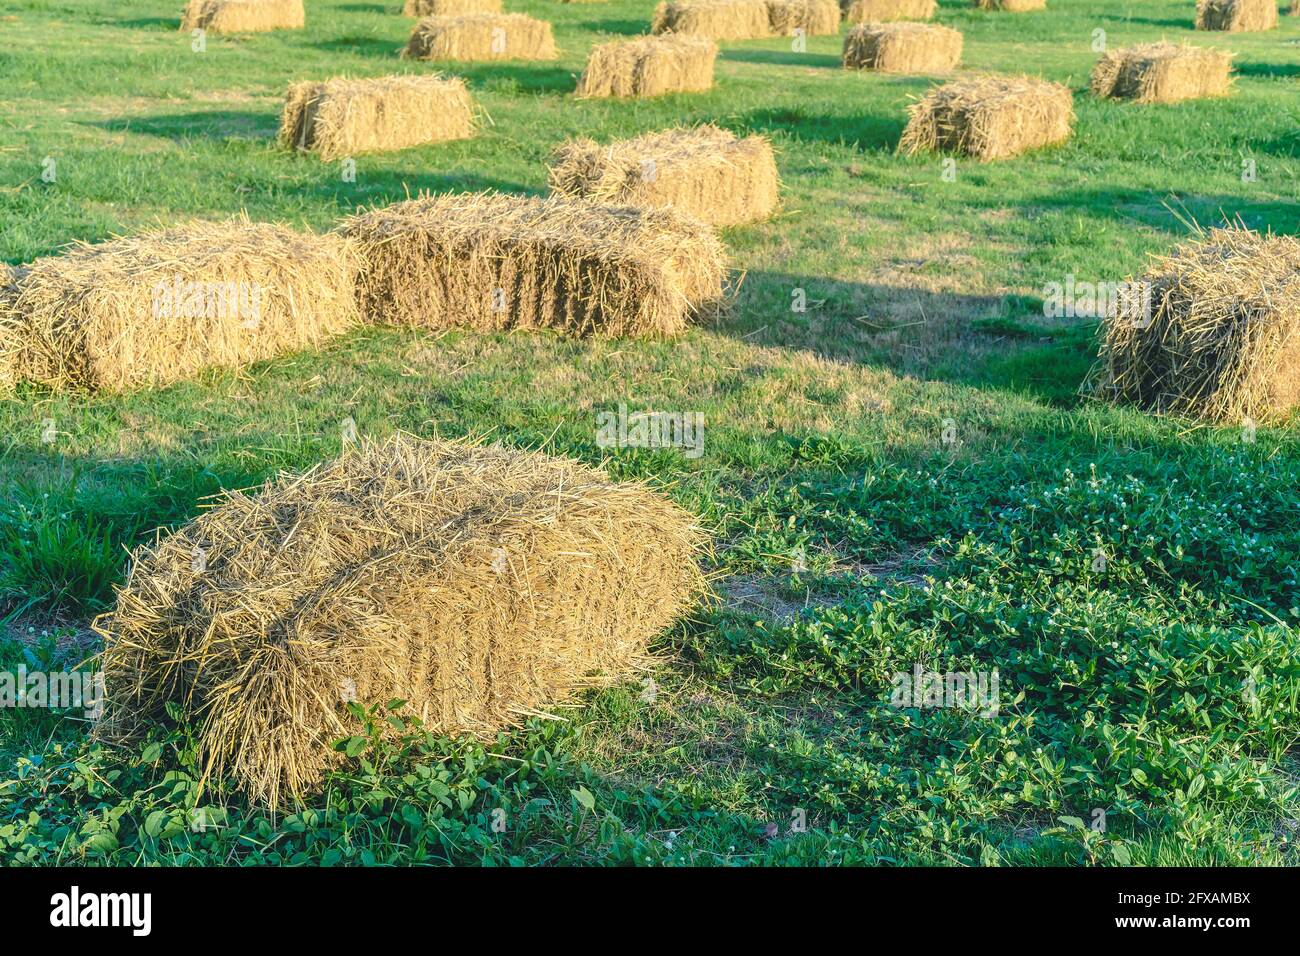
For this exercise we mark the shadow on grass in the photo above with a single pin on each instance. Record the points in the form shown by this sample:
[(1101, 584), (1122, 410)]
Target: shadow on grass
[(863, 131), (525, 76), (782, 58), (1266, 69), (145, 23), (620, 27), (204, 124), (362, 45)]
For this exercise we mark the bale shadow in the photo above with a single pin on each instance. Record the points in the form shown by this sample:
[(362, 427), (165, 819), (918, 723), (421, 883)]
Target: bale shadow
[(620, 27), (141, 23), (863, 131), (206, 124), (782, 58), (372, 7), (969, 340), (1266, 69), (381, 187), (524, 75), (361, 45)]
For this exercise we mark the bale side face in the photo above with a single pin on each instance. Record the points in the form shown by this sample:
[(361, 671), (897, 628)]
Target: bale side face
[(449, 8), (481, 36), (704, 172), (882, 11), (649, 66), (491, 262), (481, 585), (157, 308), (813, 17), (1161, 73), (1219, 338), (343, 117), (989, 117), (1012, 6), (1236, 16), (902, 48), (243, 16), (10, 328), (714, 19)]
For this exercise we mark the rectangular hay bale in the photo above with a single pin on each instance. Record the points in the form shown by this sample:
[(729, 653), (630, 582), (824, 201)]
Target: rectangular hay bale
[(989, 117), (1012, 6), (813, 17), (243, 16), (715, 19), (902, 47), (703, 172), (649, 66), (491, 262), (449, 8), (345, 117), (1236, 16), (1161, 73), (480, 585), (1217, 333), (481, 36), (159, 307), (881, 11)]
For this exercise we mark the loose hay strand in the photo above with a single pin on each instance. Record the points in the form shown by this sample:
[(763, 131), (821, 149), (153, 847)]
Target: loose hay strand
[(703, 172), (479, 584)]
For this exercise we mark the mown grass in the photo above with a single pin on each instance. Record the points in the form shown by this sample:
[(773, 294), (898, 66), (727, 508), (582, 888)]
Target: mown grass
[(1159, 686)]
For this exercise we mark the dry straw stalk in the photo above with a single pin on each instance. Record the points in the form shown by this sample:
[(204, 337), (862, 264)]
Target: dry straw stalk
[(449, 8), (813, 17), (1218, 334), (649, 66), (1236, 16), (989, 117), (488, 261), (480, 585), (1162, 73), (243, 16), (902, 47), (10, 327), (1011, 6), (481, 36), (151, 309), (344, 117), (880, 11), (703, 172)]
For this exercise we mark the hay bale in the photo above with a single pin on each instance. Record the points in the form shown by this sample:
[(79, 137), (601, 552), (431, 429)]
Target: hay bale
[(989, 117), (881, 11), (344, 117), (813, 17), (902, 47), (449, 8), (1236, 16), (156, 308), (714, 19), (1161, 73), (10, 327), (1219, 335), (489, 262), (481, 36), (480, 585), (1011, 6), (649, 66), (243, 16), (703, 172)]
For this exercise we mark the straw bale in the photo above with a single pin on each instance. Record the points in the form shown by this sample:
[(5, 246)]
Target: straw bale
[(902, 47), (989, 117), (649, 66), (1162, 73)]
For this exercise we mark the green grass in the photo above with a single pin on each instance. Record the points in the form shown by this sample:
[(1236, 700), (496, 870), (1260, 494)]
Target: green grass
[(1160, 687)]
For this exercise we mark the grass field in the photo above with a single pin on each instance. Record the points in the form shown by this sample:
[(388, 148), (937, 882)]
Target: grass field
[(903, 474)]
